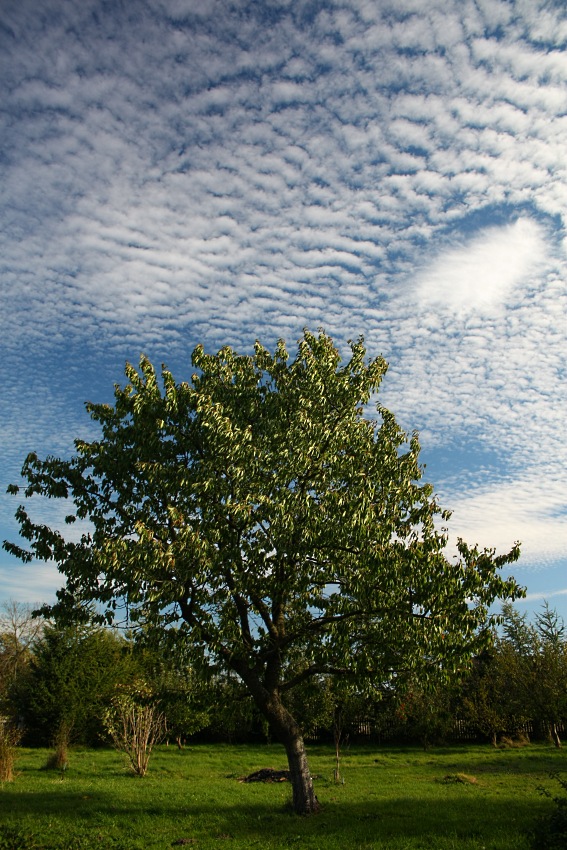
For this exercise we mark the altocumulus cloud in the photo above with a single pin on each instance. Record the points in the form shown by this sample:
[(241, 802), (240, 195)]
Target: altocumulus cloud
[(175, 172), (481, 275)]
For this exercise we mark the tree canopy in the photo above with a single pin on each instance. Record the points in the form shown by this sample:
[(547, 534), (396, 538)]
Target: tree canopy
[(265, 512)]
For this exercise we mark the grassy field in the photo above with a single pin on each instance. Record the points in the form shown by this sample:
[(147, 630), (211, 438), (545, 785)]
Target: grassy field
[(397, 798)]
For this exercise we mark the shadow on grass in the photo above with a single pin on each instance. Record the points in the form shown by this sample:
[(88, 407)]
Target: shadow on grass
[(348, 823), (491, 760), (509, 761)]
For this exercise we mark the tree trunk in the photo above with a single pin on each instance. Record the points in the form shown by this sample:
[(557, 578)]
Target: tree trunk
[(289, 734), (337, 734), (304, 800), (555, 735)]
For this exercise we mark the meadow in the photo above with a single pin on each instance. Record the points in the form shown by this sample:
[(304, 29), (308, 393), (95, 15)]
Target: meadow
[(461, 797)]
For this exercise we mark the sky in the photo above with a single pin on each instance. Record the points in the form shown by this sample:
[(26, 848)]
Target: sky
[(175, 172)]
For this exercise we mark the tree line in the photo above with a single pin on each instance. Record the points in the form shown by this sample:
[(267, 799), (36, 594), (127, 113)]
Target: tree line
[(57, 683)]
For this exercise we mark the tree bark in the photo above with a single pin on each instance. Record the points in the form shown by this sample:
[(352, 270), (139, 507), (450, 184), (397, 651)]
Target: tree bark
[(304, 800), (289, 734), (555, 735), (287, 731)]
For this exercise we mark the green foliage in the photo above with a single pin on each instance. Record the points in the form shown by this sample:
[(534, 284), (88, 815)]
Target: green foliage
[(184, 698), (531, 661), (259, 507), (72, 675), (313, 701), (492, 695), (549, 671), (550, 832), (428, 714)]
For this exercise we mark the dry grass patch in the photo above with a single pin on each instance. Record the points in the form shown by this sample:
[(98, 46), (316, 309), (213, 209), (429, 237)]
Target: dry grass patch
[(459, 778), (9, 740)]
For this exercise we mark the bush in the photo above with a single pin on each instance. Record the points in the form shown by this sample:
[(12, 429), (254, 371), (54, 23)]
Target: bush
[(135, 729), (550, 832), (59, 759)]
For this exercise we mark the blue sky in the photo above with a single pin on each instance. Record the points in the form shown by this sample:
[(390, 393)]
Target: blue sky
[(176, 172)]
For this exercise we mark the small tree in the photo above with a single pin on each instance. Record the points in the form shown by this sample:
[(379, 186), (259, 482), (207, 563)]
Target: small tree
[(71, 677), (287, 533), (483, 700), (549, 671), (135, 727), (19, 633)]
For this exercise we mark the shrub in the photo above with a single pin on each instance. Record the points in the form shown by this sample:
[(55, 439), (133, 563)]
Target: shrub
[(59, 759), (9, 739), (134, 729), (550, 832)]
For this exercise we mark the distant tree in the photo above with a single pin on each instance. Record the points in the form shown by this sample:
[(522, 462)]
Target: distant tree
[(19, 632), (288, 534), (233, 715), (491, 701), (517, 632), (550, 628), (313, 702), (427, 713), (525, 678), (73, 674), (549, 671), (184, 698)]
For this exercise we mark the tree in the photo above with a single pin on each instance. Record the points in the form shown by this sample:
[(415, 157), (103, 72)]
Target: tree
[(183, 698), (492, 698), (260, 508), (19, 632), (533, 664), (549, 671), (72, 676), (517, 632), (428, 712)]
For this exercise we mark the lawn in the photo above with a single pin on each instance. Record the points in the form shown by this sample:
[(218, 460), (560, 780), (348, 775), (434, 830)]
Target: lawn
[(397, 798)]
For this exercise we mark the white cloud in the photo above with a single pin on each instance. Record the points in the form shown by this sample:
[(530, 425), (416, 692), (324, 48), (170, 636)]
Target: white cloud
[(542, 596), (499, 514), (482, 274)]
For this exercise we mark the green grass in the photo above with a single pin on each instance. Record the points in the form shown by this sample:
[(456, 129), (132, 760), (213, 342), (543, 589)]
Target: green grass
[(397, 798)]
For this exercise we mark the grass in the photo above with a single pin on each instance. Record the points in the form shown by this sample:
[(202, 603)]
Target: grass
[(397, 798)]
